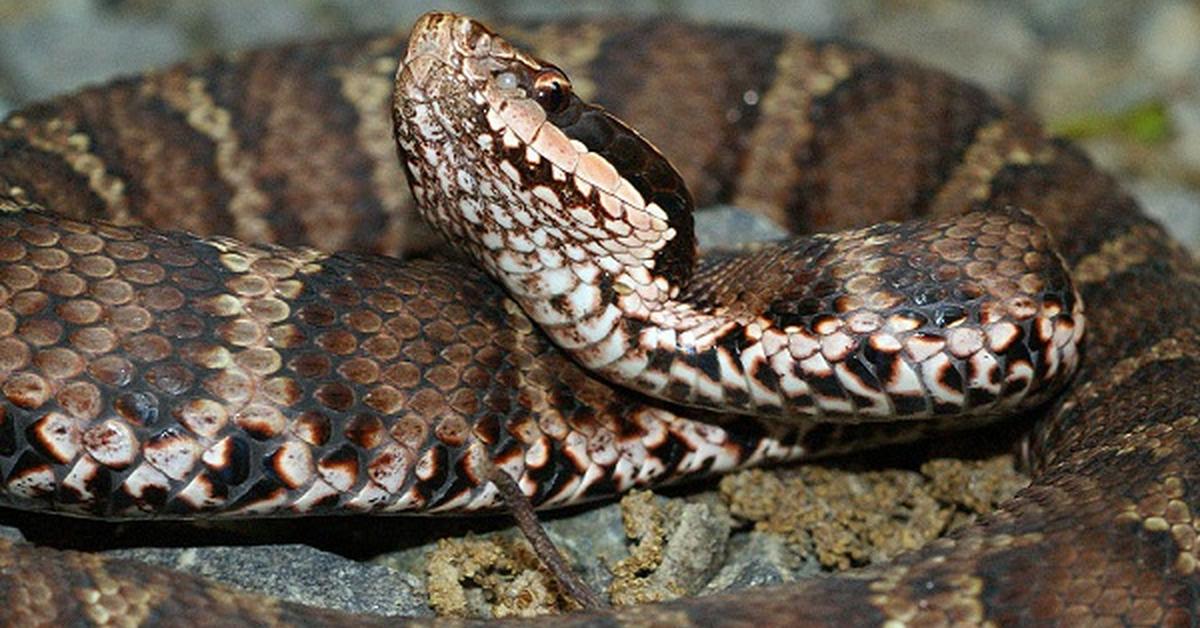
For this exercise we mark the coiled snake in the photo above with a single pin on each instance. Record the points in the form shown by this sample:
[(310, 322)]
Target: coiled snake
[(154, 373)]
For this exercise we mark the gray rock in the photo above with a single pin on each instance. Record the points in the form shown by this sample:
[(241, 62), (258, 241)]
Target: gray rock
[(1185, 122), (816, 18), (10, 533), (695, 549), (593, 540), (69, 44), (1087, 24), (372, 15), (298, 573), (728, 226), (1176, 205), (1168, 42), (948, 36), (234, 24), (1070, 82), (757, 560)]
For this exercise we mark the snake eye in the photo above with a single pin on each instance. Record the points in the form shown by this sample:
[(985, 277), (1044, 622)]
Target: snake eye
[(552, 90)]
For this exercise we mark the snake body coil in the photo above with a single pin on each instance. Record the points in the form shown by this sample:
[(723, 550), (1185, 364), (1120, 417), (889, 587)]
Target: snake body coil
[(147, 372)]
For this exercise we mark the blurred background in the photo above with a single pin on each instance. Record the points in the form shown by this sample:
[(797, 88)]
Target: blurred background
[(1120, 76)]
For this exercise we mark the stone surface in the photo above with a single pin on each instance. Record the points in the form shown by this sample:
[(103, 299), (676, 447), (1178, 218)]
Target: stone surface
[(677, 547), (950, 38), (298, 573), (1091, 25), (1070, 83), (71, 43), (1185, 118), (759, 559), (1167, 44), (817, 18), (724, 226), (1176, 206), (10, 533)]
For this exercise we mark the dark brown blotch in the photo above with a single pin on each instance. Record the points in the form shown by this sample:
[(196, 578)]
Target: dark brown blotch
[(317, 315)]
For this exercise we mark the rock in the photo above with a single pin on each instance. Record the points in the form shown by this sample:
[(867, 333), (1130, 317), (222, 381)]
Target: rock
[(728, 226), (816, 18), (234, 24), (1096, 27), (68, 44), (1185, 122), (696, 547), (757, 560), (10, 533), (1168, 43), (678, 545), (1176, 205), (852, 518), (948, 36), (372, 15), (593, 541), (298, 573), (1071, 83)]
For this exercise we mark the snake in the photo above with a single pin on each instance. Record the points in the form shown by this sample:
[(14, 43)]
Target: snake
[(179, 340)]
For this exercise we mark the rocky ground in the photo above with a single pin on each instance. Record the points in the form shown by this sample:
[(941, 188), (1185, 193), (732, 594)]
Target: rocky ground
[(1122, 78)]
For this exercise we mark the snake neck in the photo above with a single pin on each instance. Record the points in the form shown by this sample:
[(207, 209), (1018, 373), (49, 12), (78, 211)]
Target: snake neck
[(590, 230)]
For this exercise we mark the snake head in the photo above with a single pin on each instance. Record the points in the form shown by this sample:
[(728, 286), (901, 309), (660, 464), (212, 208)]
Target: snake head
[(543, 190)]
